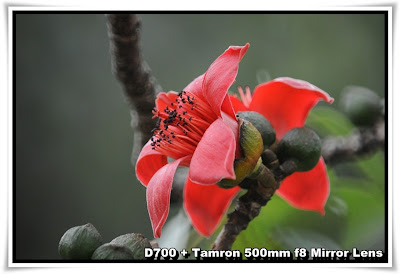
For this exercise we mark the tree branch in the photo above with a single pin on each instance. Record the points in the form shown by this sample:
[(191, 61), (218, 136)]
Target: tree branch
[(361, 142), (133, 73), (249, 205)]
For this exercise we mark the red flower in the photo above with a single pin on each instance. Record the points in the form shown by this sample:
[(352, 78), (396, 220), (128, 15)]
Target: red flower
[(198, 128), (286, 102)]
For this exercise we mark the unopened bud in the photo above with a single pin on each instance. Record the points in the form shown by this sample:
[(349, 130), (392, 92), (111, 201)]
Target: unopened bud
[(361, 105), (112, 252), (251, 146), (79, 242), (135, 242), (302, 146), (261, 124)]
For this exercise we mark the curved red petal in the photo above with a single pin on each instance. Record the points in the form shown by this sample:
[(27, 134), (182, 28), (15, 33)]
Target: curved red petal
[(164, 99), (196, 86), (220, 76), (307, 190), (237, 104), (227, 107), (158, 194), (213, 158), (148, 163), (286, 102), (206, 205)]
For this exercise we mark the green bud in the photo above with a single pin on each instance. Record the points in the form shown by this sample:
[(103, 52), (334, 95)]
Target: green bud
[(251, 146), (361, 105), (135, 242), (261, 124), (112, 252), (79, 242), (302, 146)]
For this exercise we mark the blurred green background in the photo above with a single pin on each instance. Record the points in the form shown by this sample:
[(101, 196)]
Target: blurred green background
[(73, 136)]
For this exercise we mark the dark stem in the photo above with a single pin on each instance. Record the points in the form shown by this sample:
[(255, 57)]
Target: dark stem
[(249, 206), (361, 142), (133, 73)]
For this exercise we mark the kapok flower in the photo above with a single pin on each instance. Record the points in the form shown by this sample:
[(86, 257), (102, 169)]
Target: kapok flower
[(198, 129), (286, 102)]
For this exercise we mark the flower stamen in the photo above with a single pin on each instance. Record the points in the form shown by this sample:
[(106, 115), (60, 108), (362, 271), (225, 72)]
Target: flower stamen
[(181, 124)]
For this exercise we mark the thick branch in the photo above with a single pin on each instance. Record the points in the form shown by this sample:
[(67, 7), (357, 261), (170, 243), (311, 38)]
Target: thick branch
[(361, 142), (134, 74), (249, 206)]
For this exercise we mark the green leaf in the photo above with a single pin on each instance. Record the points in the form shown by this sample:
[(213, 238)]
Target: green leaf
[(366, 218), (293, 237), (328, 121), (268, 228)]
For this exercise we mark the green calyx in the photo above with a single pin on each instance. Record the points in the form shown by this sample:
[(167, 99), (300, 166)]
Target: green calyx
[(135, 242), (79, 242), (251, 145), (300, 148), (85, 243), (112, 252), (361, 105), (261, 124)]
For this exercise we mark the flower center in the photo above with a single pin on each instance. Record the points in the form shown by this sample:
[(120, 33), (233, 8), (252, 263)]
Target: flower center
[(181, 124)]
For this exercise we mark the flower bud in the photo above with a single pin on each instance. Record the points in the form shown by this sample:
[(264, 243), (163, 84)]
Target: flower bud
[(79, 242), (112, 252), (251, 146), (261, 124), (302, 147), (135, 242), (361, 105)]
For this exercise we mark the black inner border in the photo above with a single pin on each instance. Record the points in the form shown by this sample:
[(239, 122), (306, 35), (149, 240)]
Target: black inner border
[(384, 259)]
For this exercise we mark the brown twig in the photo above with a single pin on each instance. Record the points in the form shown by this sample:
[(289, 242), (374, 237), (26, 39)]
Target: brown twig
[(133, 73), (249, 205), (361, 142)]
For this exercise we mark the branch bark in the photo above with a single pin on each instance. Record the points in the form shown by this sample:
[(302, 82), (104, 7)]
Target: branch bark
[(361, 142), (249, 205), (139, 86)]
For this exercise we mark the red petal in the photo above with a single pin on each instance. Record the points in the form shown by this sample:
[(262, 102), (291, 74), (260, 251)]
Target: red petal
[(307, 190), (220, 76), (165, 99), (158, 194), (148, 163), (286, 102), (227, 107), (213, 158), (237, 104), (196, 86), (205, 205)]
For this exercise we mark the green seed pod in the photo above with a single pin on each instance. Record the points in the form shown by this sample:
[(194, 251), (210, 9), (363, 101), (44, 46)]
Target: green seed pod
[(79, 242), (261, 124), (302, 146), (361, 105), (251, 145), (112, 252), (135, 242)]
